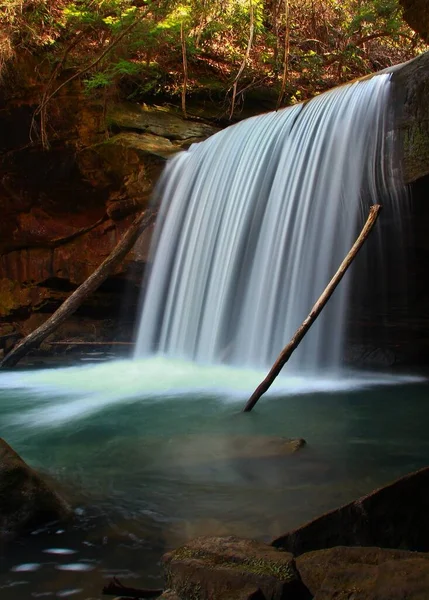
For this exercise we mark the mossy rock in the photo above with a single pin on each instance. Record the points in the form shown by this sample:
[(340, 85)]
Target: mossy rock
[(158, 122), (214, 568)]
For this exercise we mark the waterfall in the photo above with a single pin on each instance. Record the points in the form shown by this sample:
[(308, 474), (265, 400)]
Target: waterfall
[(253, 223)]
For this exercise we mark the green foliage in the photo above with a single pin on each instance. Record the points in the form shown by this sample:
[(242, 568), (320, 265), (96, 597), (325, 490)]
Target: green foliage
[(330, 41), (103, 79)]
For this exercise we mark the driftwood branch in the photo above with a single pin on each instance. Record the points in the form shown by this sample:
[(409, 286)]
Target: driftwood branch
[(73, 302), (115, 588), (315, 311)]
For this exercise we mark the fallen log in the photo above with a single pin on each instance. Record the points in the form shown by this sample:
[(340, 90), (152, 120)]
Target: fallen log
[(69, 306), (287, 351)]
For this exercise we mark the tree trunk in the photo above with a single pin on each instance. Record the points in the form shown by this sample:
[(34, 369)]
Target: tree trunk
[(416, 14), (73, 302), (244, 61), (185, 69), (286, 55), (286, 353)]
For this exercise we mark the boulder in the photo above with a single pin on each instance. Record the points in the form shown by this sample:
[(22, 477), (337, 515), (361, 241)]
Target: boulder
[(394, 516), (365, 573), (26, 500), (221, 568)]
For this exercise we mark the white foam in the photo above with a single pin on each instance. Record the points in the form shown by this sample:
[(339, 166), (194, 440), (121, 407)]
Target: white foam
[(26, 567), (56, 396)]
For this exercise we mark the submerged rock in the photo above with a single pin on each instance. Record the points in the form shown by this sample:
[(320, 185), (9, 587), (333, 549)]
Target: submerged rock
[(394, 516), (365, 573), (26, 500), (221, 568), (198, 448)]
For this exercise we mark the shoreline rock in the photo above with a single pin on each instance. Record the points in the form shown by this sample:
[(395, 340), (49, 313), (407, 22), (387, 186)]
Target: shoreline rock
[(338, 556), (233, 568), (394, 516), (26, 499)]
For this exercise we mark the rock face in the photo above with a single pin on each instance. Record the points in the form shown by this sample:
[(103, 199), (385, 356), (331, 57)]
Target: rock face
[(395, 516), (230, 567), (411, 92), (65, 208), (26, 501), (365, 574)]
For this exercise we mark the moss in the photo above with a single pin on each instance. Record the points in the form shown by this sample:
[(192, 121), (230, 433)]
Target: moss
[(282, 571), (258, 566), (190, 591), (416, 151)]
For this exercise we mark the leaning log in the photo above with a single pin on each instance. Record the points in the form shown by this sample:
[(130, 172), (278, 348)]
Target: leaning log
[(73, 302), (287, 351)]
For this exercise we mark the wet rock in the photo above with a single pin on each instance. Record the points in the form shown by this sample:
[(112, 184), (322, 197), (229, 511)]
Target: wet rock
[(26, 500), (367, 355), (394, 516), (365, 574), (410, 92), (230, 567)]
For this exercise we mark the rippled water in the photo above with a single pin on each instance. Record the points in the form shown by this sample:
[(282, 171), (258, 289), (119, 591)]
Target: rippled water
[(154, 452)]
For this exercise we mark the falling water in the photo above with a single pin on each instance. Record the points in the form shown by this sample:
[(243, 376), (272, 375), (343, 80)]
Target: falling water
[(254, 222)]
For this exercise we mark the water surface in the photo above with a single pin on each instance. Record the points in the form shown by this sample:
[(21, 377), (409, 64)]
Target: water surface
[(154, 452)]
